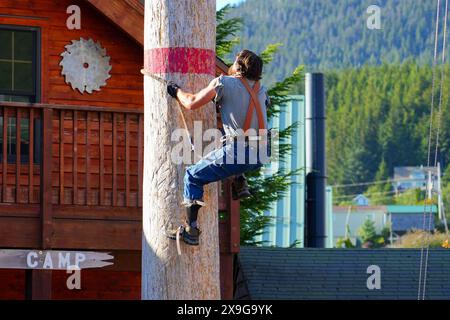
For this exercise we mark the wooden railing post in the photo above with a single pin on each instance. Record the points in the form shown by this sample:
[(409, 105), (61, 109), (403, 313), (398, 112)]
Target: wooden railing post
[(18, 151), (5, 155), (42, 279), (46, 178)]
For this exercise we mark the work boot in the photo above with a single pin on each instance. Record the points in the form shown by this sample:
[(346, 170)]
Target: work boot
[(190, 235), (239, 188)]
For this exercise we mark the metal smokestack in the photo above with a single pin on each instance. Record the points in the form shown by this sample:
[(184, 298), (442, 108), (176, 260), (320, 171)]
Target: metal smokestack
[(315, 219)]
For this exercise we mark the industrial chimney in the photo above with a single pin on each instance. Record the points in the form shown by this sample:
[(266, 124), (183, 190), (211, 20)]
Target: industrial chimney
[(315, 219)]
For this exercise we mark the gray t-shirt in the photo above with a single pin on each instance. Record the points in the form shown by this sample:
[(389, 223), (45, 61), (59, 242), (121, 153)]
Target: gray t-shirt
[(233, 100)]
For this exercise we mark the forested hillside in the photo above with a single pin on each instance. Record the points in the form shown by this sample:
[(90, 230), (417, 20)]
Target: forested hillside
[(325, 34), (378, 118)]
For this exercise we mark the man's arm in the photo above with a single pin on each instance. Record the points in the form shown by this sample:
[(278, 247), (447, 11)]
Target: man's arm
[(192, 101)]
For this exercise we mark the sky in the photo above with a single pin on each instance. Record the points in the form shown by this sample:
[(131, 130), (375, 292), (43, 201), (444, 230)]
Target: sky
[(223, 3)]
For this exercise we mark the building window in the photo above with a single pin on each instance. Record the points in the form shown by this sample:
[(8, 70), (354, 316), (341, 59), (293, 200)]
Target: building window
[(19, 82), (18, 64)]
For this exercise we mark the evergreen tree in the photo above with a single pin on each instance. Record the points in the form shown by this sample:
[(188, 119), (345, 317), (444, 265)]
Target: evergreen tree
[(381, 193), (326, 35), (369, 236)]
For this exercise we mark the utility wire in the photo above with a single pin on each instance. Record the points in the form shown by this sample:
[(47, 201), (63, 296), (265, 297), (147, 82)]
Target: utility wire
[(370, 194), (437, 140), (424, 264), (374, 182)]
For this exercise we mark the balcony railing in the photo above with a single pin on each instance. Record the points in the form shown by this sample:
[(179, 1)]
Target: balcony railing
[(73, 155)]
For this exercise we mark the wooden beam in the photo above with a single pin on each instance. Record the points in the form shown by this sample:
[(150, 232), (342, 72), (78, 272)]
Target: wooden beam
[(140, 157), (46, 178), (41, 284), (31, 159), (127, 161), (5, 154), (127, 15), (97, 234), (114, 160), (12, 210), (87, 161), (61, 157), (20, 232), (97, 213), (101, 145), (75, 158), (41, 280), (18, 151), (125, 260), (70, 107), (235, 233)]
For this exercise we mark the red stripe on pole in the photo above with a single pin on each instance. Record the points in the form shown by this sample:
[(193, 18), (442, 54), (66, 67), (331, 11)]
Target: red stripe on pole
[(180, 60)]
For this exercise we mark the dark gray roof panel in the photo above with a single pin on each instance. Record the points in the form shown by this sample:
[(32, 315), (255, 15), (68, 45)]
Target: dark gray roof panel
[(405, 222), (281, 273)]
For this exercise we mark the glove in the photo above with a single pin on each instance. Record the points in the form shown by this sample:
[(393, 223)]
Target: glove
[(172, 89)]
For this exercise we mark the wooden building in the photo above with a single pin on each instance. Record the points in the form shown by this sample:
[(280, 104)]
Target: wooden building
[(71, 163)]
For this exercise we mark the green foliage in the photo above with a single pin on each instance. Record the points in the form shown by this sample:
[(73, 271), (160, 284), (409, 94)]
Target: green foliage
[(268, 53), (446, 199), (367, 231), (265, 191), (344, 243), (279, 91), (327, 35), (226, 33), (411, 197), (369, 236), (381, 193)]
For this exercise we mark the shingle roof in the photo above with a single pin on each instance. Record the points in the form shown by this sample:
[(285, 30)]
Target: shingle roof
[(324, 274)]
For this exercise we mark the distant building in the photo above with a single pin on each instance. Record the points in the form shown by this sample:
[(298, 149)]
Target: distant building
[(413, 177), (361, 200), (405, 218), (399, 218), (354, 217)]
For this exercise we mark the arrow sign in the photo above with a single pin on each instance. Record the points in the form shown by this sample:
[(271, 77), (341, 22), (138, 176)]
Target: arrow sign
[(53, 260)]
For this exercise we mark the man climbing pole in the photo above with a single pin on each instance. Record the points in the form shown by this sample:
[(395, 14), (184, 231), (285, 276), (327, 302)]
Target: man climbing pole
[(242, 102), (179, 45)]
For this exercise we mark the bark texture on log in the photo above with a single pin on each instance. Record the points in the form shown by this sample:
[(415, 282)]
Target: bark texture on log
[(194, 274)]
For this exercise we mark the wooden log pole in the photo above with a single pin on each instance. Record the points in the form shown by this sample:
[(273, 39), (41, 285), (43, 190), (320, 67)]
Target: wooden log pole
[(179, 46)]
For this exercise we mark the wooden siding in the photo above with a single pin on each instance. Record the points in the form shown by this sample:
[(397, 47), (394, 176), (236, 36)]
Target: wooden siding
[(125, 87)]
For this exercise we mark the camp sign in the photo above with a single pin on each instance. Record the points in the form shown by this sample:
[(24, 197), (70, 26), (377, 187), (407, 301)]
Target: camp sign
[(53, 260)]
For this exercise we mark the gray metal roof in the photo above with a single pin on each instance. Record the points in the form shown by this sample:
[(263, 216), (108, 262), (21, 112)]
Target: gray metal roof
[(405, 222), (281, 273)]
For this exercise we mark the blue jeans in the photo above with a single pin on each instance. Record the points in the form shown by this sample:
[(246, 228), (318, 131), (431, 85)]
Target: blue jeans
[(230, 160)]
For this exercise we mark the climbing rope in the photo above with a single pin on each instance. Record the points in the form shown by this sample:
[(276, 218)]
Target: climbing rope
[(179, 231), (426, 245)]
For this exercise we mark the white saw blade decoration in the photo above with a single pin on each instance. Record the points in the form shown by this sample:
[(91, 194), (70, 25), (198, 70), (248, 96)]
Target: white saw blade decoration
[(85, 65)]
